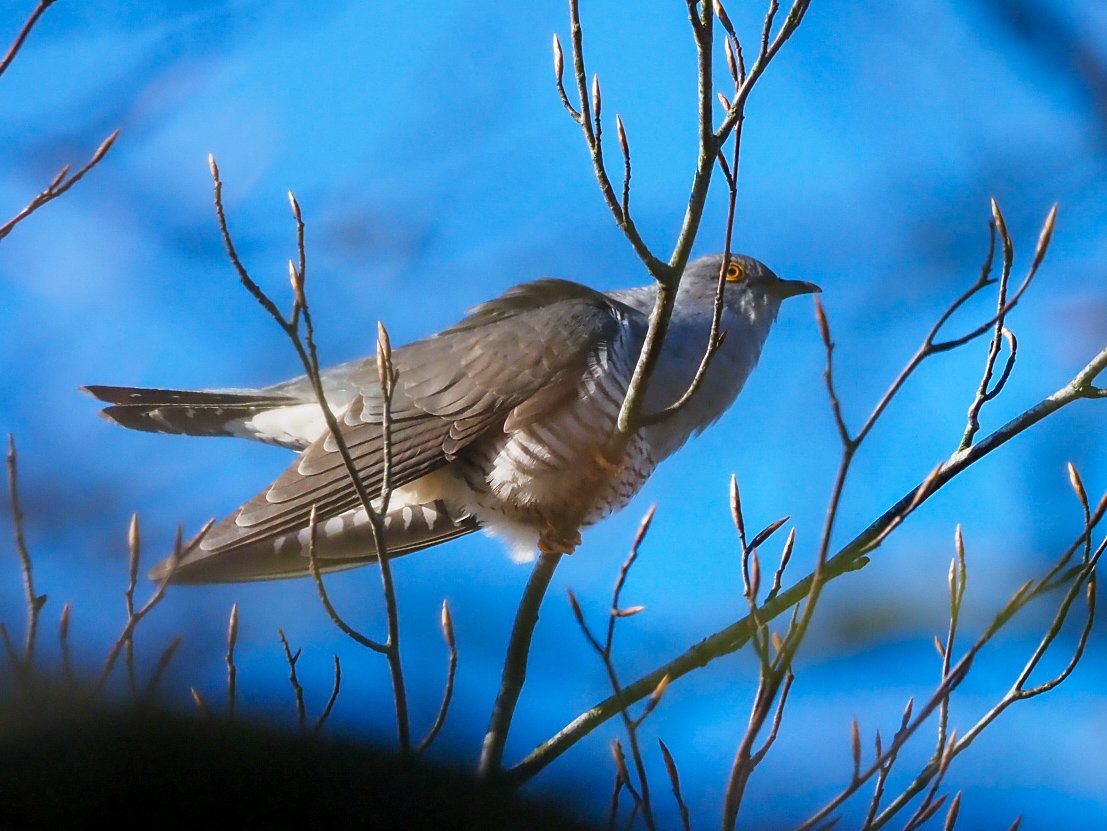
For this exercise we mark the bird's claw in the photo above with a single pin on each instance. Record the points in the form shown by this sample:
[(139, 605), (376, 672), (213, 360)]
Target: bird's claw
[(553, 543)]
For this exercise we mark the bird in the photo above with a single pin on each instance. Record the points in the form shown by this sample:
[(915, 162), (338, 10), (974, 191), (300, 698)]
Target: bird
[(500, 422)]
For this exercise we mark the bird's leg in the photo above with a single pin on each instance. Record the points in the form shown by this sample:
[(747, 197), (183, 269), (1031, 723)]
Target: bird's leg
[(553, 539)]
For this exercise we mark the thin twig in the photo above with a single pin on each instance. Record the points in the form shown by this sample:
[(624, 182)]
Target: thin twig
[(324, 597), (232, 670), (1045, 236), (715, 335), (133, 550), (62, 182), (387, 377), (958, 578), (785, 558), (63, 640), (24, 665), (605, 651), (306, 351), (134, 617), (774, 683), (583, 116), (451, 670), (953, 746), (326, 714), (298, 691), (983, 393), (198, 700), (159, 670), (623, 775), (28, 24), (642, 794), (674, 778), (617, 611), (778, 718), (613, 805)]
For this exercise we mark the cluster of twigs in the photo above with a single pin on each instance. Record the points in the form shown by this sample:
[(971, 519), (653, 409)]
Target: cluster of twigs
[(775, 651), (712, 140), (641, 794), (1073, 573), (299, 329), (22, 661)]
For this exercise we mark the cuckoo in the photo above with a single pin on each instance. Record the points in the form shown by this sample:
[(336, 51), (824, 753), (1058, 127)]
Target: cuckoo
[(501, 422)]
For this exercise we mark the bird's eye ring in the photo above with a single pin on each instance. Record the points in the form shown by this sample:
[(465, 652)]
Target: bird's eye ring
[(734, 272)]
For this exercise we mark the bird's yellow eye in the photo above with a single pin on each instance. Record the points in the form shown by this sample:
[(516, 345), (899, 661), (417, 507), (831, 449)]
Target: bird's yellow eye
[(734, 272)]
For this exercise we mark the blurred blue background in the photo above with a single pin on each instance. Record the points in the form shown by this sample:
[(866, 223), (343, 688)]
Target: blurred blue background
[(436, 168)]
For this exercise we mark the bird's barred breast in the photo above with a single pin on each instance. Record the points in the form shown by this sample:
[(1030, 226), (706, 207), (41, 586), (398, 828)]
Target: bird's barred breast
[(555, 465)]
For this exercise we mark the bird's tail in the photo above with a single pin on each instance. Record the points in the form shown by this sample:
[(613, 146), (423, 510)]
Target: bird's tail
[(341, 542), (193, 413)]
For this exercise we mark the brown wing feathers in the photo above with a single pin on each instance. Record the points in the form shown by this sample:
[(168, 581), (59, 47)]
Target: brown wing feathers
[(452, 389)]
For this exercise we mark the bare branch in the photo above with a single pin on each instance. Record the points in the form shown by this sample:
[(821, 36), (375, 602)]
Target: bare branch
[(60, 184), (559, 73), (306, 351), (324, 597), (828, 375), (1084, 577), (624, 571), (63, 639), (134, 617), (604, 650), (161, 667), (716, 335), (28, 24), (232, 671), (590, 125), (326, 714), (1045, 236), (778, 717), (297, 690), (850, 557), (451, 670), (785, 557), (129, 599), (613, 806), (674, 778), (24, 665), (624, 146), (515, 665)]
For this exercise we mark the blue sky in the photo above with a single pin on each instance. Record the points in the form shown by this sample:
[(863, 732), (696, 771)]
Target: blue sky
[(436, 168)]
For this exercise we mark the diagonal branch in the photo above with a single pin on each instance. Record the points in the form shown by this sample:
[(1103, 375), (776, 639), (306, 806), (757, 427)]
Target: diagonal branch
[(28, 24), (849, 558), (60, 184)]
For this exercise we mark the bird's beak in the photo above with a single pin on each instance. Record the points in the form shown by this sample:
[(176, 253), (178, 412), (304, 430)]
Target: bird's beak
[(790, 288)]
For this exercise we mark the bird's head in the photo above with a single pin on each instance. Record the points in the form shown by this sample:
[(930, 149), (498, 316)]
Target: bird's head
[(749, 285)]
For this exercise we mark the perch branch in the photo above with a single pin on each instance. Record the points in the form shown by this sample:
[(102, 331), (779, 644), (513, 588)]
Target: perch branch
[(850, 557)]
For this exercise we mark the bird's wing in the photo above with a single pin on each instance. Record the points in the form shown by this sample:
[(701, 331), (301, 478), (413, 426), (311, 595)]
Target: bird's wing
[(535, 341)]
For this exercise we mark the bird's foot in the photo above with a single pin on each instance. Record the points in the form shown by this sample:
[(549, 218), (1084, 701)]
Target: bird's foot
[(551, 542)]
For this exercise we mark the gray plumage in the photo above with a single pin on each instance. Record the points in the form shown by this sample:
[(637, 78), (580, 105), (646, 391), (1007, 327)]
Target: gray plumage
[(498, 422)]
